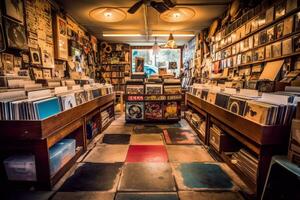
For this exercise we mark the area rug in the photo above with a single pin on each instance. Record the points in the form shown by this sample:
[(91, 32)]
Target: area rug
[(180, 136)]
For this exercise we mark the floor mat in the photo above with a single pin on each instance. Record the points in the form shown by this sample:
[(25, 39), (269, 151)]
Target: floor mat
[(140, 129), (146, 196), (146, 139), (147, 153), (147, 177), (107, 154), (180, 136), (115, 129), (116, 139), (202, 176), (93, 177)]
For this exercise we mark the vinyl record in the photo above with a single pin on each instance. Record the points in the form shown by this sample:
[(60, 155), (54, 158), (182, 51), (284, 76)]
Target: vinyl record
[(103, 45), (134, 110), (108, 49)]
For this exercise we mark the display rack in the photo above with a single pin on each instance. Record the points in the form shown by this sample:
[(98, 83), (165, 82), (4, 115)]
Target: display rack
[(163, 99), (37, 137), (263, 140)]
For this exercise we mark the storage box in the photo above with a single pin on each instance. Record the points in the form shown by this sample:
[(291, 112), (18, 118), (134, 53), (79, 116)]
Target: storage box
[(61, 153), (20, 168)]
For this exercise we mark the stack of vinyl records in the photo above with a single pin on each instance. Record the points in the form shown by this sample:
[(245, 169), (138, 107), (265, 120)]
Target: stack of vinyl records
[(105, 117), (247, 163)]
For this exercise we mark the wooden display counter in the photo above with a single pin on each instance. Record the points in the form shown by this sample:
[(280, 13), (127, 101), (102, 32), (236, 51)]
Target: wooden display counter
[(37, 137), (264, 141)]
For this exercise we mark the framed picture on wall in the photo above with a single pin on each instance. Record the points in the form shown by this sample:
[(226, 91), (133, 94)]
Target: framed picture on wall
[(35, 56), (172, 65), (139, 64), (61, 40), (15, 9)]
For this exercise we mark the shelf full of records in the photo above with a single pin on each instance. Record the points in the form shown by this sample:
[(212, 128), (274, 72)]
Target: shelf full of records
[(267, 109), (271, 34), (197, 121), (42, 104)]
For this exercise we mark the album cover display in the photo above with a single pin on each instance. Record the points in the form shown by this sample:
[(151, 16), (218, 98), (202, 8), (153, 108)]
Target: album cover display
[(172, 89), (258, 112), (279, 9), (222, 100), (134, 89), (263, 37), (47, 73), (154, 88), (276, 49), (14, 9), (8, 63), (287, 46), (237, 105), (80, 97), (35, 56), (297, 21), (268, 52), (2, 39), (46, 108), (296, 43), (134, 110), (271, 34), (279, 30), (15, 34), (171, 110), (270, 15), (211, 97), (68, 101), (288, 24), (153, 110)]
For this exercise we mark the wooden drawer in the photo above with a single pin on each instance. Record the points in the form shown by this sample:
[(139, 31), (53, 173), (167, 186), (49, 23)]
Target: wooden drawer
[(221, 141)]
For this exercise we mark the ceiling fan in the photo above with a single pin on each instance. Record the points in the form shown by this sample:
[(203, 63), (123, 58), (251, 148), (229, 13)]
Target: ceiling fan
[(160, 6)]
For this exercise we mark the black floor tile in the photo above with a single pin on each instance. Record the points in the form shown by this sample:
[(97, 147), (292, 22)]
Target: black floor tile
[(116, 139), (93, 177), (146, 196), (180, 136), (140, 129)]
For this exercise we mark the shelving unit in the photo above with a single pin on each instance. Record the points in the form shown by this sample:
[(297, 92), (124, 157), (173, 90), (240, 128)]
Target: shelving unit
[(37, 137), (116, 61), (264, 141)]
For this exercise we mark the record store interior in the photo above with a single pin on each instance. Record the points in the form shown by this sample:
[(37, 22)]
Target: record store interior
[(150, 99)]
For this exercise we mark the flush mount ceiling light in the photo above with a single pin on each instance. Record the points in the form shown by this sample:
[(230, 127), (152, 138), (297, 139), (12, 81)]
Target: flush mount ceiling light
[(108, 14), (178, 14)]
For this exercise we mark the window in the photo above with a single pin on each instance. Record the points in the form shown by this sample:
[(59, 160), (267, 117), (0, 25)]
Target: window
[(153, 62)]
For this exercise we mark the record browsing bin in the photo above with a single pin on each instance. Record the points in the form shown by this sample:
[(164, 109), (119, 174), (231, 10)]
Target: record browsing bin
[(263, 141), (38, 137)]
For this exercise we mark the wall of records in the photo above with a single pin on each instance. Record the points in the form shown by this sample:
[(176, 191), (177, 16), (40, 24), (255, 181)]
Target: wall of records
[(244, 45), (40, 43)]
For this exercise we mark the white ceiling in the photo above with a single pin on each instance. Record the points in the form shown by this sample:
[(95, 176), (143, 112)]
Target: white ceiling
[(135, 23)]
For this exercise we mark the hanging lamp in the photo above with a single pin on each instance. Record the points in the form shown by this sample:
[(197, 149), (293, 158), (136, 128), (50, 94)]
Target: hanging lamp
[(171, 42), (155, 48)]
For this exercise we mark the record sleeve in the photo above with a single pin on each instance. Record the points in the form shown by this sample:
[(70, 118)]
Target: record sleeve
[(153, 110), (271, 34), (287, 47), (270, 15), (237, 105), (258, 112), (296, 43), (222, 100), (15, 10), (134, 89), (171, 110), (68, 101), (280, 9), (276, 49), (35, 56), (263, 37), (134, 110), (47, 107), (268, 51), (80, 97), (279, 30), (291, 5), (154, 88)]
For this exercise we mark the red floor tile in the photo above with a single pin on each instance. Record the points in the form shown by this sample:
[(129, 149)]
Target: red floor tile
[(147, 153)]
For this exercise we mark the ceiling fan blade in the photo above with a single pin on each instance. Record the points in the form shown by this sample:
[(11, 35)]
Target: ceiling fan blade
[(135, 7), (169, 3), (159, 6)]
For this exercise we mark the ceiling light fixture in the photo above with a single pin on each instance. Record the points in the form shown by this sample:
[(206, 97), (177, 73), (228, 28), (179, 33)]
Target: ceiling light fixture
[(108, 14), (177, 14), (171, 44), (175, 35), (121, 35), (155, 47)]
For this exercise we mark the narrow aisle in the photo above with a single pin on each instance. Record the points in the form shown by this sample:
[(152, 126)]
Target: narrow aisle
[(134, 161)]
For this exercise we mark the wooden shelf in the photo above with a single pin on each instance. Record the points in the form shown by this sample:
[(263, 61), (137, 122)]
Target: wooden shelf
[(261, 134), (197, 131), (263, 140)]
